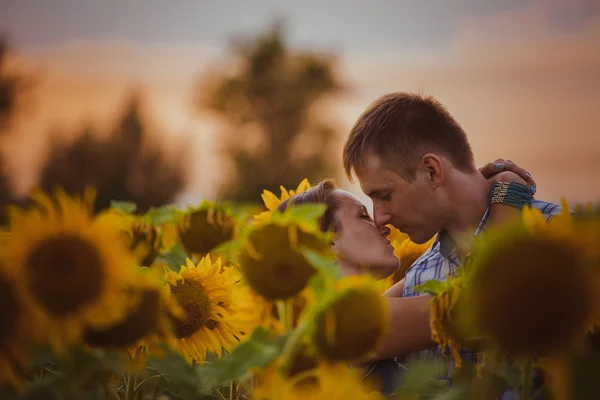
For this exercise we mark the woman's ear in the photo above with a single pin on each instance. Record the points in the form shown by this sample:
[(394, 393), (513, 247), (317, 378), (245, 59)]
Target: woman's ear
[(334, 246)]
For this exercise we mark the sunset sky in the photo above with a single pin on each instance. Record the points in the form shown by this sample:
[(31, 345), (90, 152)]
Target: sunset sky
[(522, 77)]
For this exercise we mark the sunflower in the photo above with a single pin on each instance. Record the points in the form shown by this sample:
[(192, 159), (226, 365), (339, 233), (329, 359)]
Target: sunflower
[(143, 240), (213, 301), (272, 201), (14, 329), (145, 317), (202, 229), (542, 273), (272, 262), (408, 252), (450, 321), (353, 322), (325, 381), (72, 267)]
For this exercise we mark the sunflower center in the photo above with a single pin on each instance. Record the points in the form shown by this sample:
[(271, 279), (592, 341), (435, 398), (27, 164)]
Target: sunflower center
[(201, 232), (140, 322), (352, 326), (525, 274), (194, 300), (66, 272), (8, 309)]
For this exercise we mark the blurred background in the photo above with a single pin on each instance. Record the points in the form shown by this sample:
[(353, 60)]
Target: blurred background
[(173, 102)]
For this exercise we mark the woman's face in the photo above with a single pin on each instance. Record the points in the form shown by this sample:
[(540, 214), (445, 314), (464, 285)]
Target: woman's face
[(359, 242)]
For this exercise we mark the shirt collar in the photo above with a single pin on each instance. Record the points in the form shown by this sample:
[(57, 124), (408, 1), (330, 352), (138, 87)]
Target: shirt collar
[(448, 245)]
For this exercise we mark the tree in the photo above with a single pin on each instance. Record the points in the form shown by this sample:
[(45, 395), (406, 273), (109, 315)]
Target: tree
[(12, 85), (124, 167), (274, 136)]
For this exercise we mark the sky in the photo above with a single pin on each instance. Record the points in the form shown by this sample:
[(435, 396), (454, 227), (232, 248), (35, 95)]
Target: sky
[(522, 77)]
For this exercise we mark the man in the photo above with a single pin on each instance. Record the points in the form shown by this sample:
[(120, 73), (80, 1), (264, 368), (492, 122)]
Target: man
[(415, 163)]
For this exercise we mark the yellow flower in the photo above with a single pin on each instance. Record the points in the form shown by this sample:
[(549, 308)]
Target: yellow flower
[(200, 230), (272, 201), (143, 239), (561, 224), (14, 331), (213, 301), (353, 322), (146, 316), (408, 252), (542, 273), (271, 259), (71, 267), (328, 381)]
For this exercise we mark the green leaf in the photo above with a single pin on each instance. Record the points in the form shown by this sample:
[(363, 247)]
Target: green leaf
[(509, 373), (175, 257), (421, 381), (176, 375), (323, 264), (126, 207), (489, 386), (432, 287), (161, 215), (258, 351), (318, 284), (302, 212)]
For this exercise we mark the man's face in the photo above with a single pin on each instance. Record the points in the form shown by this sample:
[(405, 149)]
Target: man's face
[(412, 207)]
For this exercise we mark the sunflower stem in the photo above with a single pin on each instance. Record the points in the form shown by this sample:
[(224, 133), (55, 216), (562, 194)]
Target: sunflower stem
[(285, 310), (526, 379)]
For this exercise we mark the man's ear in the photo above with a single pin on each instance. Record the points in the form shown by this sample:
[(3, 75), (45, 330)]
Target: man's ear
[(434, 168)]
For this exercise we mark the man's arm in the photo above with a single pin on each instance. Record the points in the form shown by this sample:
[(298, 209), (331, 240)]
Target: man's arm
[(408, 327)]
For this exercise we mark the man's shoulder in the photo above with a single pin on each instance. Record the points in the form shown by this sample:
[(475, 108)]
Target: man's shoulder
[(546, 208)]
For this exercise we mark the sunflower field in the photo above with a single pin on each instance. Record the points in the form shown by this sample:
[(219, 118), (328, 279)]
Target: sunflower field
[(223, 301)]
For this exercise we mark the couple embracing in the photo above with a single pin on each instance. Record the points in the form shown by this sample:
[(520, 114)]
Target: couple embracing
[(414, 161)]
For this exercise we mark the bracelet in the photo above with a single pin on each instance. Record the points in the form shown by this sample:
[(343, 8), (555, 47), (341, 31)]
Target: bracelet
[(510, 193)]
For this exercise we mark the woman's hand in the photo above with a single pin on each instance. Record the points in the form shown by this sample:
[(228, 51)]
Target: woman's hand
[(507, 171)]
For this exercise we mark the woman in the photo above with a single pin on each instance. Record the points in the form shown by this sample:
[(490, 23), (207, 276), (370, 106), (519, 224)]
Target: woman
[(359, 246)]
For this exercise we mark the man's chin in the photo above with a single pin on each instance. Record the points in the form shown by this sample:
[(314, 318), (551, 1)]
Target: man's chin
[(418, 238)]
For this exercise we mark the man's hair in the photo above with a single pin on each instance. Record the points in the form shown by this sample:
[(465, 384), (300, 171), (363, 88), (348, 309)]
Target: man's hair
[(399, 128)]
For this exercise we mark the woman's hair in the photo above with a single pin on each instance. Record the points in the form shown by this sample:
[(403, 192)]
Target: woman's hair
[(322, 193)]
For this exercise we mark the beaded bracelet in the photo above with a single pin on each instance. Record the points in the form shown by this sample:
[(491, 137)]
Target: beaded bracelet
[(510, 193)]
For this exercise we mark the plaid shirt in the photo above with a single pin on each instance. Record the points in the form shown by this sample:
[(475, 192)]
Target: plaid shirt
[(440, 261)]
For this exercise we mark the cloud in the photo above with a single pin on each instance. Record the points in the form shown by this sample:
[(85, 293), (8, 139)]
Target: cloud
[(522, 90), (521, 86)]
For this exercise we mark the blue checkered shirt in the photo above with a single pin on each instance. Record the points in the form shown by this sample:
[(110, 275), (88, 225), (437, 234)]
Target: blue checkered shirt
[(440, 261)]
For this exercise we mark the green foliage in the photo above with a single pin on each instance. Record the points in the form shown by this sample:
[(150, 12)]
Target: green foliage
[(269, 100), (126, 207), (432, 287), (175, 257)]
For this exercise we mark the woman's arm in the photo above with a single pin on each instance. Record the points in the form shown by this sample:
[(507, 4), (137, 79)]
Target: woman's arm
[(500, 213)]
